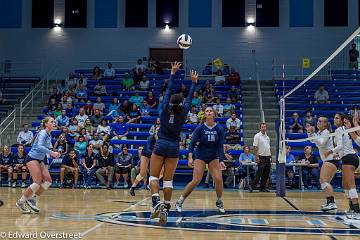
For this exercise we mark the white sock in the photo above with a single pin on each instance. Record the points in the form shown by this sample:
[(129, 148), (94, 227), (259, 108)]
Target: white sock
[(23, 199), (181, 199), (155, 195)]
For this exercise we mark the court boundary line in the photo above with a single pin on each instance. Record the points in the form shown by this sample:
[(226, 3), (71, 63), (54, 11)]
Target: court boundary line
[(332, 237), (102, 223)]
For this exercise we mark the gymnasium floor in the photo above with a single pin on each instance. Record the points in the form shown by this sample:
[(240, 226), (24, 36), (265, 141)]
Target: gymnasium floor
[(114, 214)]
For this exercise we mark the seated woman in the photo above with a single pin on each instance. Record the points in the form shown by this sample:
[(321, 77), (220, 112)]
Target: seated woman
[(296, 125), (244, 158), (88, 166), (104, 130), (134, 115), (70, 166), (19, 165), (80, 145), (106, 166), (6, 159), (312, 167), (123, 166)]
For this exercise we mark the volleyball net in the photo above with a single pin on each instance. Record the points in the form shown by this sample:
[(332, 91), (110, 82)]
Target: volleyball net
[(338, 60)]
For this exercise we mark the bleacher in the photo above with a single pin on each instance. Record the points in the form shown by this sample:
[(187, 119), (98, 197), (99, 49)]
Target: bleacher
[(343, 89), (138, 133), (13, 89)]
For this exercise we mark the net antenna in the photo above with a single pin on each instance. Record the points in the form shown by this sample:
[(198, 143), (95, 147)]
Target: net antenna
[(282, 130)]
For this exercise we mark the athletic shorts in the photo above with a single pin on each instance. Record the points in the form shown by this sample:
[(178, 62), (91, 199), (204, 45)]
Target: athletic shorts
[(207, 161), (166, 148), (121, 170), (334, 162), (146, 153), (29, 159), (351, 159)]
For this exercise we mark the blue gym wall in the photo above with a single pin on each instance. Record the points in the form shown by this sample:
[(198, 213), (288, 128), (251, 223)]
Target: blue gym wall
[(233, 45)]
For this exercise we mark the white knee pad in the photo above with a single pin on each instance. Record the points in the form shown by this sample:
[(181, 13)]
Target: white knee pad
[(346, 193), (353, 193), (34, 187), (151, 178), (325, 185), (168, 184), (45, 185), (139, 177)]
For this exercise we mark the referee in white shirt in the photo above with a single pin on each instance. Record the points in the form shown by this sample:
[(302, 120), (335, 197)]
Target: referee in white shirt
[(263, 158)]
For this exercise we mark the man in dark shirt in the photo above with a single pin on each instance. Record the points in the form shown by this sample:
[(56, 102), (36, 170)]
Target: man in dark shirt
[(69, 165), (311, 168), (232, 136), (353, 57), (96, 118)]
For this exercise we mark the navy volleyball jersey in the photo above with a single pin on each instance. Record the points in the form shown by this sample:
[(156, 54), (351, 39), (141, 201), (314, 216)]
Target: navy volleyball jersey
[(6, 160), (19, 159), (210, 142), (171, 124)]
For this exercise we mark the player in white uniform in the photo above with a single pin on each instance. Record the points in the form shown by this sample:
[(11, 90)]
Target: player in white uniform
[(330, 165)]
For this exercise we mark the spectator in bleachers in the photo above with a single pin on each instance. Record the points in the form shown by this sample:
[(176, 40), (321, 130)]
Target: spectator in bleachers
[(229, 170), (62, 88), (64, 101), (84, 133), (234, 94), (71, 81), (123, 166), (218, 108), (81, 117), (126, 107), (201, 113), (80, 145), (88, 126), (353, 57), (82, 79), (19, 166), (120, 129), (88, 166), (104, 130), (228, 108), (25, 136), (89, 108), (192, 117), (234, 77), (109, 72), (144, 83), (81, 93), (134, 115), (309, 119), (219, 78), (106, 166), (73, 127), (208, 94), (70, 110), (144, 109), (62, 142), (151, 62), (99, 105), (70, 166), (154, 128), (156, 68), (136, 99), (196, 100), (6, 162), (296, 124), (151, 100), (96, 74), (100, 89), (139, 70), (232, 138), (312, 167), (58, 110), (97, 143), (128, 82), (113, 108), (321, 96), (51, 107), (233, 121), (290, 169)]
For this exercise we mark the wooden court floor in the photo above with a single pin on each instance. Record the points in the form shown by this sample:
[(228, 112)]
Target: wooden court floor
[(114, 214)]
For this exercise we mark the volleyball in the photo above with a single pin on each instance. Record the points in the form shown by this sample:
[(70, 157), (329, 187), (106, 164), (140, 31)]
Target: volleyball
[(184, 41)]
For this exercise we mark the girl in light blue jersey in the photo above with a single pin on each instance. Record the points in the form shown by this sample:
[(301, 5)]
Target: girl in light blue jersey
[(36, 162)]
